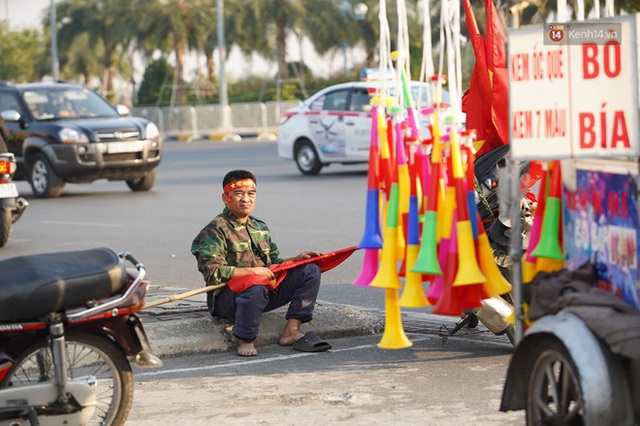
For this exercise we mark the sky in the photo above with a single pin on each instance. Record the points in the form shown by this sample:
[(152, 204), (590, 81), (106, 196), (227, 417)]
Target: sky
[(23, 13), (29, 13)]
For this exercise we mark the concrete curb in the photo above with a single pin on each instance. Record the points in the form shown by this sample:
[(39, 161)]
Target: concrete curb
[(185, 327), (232, 136)]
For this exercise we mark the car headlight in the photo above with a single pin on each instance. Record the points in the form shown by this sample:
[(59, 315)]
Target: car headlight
[(152, 131), (69, 135)]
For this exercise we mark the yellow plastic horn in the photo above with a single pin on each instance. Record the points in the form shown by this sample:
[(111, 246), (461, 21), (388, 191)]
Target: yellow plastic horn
[(496, 283), (393, 336), (413, 295), (387, 276), (468, 269)]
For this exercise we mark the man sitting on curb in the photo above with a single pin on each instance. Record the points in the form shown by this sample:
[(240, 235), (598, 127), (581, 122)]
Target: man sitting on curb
[(234, 245)]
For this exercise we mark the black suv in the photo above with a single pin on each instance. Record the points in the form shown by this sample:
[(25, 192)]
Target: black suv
[(64, 132)]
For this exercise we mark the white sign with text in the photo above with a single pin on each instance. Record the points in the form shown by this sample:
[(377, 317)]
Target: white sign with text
[(574, 99)]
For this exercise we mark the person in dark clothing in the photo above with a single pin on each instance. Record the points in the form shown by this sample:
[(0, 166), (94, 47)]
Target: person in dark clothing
[(236, 244), (4, 135)]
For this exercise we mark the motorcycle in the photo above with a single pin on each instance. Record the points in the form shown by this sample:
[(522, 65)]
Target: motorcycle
[(68, 336), (11, 205)]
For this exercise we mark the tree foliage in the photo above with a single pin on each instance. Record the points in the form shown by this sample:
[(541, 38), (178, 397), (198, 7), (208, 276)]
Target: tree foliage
[(107, 26), (21, 53), (97, 39), (154, 83)]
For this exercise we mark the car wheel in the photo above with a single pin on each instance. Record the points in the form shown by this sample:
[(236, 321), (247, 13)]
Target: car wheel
[(145, 182), (44, 181), (307, 158)]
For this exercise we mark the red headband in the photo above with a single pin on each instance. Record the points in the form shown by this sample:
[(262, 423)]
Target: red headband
[(237, 184)]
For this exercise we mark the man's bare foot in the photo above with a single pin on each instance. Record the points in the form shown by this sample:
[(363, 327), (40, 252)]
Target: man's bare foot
[(291, 333), (288, 338), (246, 348)]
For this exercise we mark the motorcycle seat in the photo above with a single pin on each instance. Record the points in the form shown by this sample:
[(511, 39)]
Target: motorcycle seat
[(32, 286)]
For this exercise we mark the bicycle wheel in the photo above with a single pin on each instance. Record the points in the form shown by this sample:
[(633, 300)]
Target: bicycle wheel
[(89, 357)]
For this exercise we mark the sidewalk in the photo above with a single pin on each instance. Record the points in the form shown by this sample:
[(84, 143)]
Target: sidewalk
[(185, 327)]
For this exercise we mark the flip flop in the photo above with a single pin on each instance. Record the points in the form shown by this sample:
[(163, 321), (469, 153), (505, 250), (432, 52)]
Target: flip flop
[(310, 342)]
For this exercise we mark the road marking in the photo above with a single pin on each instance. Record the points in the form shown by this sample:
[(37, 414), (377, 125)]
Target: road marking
[(257, 361), (61, 222)]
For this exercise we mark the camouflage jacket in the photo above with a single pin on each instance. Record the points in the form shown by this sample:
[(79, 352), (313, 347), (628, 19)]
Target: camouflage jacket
[(226, 243)]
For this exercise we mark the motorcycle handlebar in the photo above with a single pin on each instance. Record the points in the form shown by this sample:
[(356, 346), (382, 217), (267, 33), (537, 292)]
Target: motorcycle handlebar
[(100, 309), (128, 256)]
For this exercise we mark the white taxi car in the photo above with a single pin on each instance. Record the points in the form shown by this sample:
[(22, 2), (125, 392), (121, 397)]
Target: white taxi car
[(334, 125)]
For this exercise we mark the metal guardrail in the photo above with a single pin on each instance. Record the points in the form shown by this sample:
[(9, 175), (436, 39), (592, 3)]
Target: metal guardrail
[(256, 119)]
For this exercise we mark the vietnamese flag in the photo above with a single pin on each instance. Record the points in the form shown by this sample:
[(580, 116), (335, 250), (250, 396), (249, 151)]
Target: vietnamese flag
[(486, 102), (325, 261)]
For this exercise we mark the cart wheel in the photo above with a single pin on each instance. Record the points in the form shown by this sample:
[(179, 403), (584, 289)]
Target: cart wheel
[(554, 393)]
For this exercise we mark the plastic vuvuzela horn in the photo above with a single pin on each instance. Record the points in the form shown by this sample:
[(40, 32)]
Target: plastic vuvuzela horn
[(427, 261), (372, 238), (387, 275), (393, 336), (447, 303), (469, 272), (369, 268), (402, 174), (549, 244), (413, 294), (529, 268)]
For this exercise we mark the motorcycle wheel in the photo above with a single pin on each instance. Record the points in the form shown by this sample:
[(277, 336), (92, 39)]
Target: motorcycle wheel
[(88, 356), (554, 392), (5, 226)]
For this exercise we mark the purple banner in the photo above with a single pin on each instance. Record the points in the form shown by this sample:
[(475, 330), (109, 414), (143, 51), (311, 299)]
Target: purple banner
[(601, 225)]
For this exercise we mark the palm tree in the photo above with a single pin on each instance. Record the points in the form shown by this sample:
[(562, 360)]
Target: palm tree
[(174, 25), (202, 36), (106, 23), (77, 62), (262, 26)]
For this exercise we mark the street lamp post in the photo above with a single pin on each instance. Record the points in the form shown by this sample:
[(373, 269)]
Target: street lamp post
[(358, 13), (54, 41), (223, 96)]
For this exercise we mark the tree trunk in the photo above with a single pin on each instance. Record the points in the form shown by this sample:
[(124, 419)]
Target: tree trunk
[(371, 56), (181, 98), (281, 47), (107, 78), (211, 66), (111, 92)]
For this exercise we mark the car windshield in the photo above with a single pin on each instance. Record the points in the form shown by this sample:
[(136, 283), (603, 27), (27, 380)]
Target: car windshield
[(56, 103)]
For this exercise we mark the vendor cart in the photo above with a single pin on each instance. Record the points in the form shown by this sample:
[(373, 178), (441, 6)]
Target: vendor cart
[(577, 357)]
